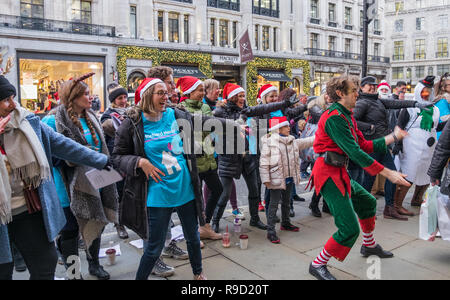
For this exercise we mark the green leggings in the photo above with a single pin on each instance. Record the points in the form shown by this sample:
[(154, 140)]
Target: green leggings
[(346, 212)]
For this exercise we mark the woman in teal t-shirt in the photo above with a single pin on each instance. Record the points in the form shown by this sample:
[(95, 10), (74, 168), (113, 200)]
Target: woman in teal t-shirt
[(443, 99), (87, 209), (150, 150)]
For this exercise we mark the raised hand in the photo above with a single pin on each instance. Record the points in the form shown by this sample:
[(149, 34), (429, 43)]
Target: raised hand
[(3, 122)]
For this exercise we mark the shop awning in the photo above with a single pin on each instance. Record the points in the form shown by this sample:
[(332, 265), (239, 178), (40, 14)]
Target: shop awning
[(274, 75), (181, 71)]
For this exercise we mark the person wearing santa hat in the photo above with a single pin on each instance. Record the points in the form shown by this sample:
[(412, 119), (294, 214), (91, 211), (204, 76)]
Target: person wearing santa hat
[(160, 176), (372, 116), (279, 168), (194, 90), (234, 165)]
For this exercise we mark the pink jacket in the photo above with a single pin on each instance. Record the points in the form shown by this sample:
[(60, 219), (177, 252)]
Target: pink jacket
[(280, 159)]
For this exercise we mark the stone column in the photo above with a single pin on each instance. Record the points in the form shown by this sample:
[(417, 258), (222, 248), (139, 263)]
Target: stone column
[(166, 26), (181, 28), (145, 20)]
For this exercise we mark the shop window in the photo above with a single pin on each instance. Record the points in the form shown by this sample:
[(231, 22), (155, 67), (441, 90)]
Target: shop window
[(134, 80), (40, 79), (223, 29), (174, 28), (160, 26), (32, 14), (32, 8), (133, 22), (186, 29)]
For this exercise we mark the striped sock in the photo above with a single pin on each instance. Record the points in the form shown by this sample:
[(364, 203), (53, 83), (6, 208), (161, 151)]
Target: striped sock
[(368, 240), (321, 259)]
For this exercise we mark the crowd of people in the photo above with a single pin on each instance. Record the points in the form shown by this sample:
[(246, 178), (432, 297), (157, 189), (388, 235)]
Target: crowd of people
[(359, 139)]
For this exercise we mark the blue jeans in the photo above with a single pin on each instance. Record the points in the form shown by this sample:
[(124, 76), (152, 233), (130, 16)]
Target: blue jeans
[(158, 219), (357, 174), (389, 187)]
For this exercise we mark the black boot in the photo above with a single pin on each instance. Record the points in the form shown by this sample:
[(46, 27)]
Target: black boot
[(95, 269), (321, 272), (314, 206), (254, 215), (378, 251), (68, 248), (218, 213), (19, 262)]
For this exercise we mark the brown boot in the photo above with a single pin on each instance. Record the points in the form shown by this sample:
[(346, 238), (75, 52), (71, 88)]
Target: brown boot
[(391, 213), (400, 194), (418, 195), (207, 233)]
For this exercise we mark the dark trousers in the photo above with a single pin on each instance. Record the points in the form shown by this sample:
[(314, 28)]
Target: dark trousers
[(158, 219), (275, 197), (389, 188), (212, 181), (28, 233), (253, 197), (357, 174)]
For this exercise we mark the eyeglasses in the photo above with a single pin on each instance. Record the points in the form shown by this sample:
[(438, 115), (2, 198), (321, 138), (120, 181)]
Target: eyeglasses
[(161, 93)]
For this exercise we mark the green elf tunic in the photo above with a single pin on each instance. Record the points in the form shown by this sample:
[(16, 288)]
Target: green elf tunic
[(337, 132)]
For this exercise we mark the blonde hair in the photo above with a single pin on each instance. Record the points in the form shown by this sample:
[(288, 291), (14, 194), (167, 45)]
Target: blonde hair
[(210, 84), (146, 102), (68, 93)]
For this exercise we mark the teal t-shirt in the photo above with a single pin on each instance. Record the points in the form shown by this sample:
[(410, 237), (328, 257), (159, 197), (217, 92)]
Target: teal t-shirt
[(88, 136), (59, 183), (164, 149)]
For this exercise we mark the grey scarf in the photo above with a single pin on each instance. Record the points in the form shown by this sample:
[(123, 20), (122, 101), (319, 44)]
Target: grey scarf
[(26, 157), (93, 209)]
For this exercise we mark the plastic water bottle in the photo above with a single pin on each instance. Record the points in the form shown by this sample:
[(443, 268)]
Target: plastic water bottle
[(237, 225)]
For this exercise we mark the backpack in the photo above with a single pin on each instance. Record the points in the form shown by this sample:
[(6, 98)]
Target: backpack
[(308, 154)]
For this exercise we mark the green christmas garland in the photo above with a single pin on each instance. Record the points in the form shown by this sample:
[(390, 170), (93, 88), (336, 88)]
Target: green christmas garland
[(204, 62)]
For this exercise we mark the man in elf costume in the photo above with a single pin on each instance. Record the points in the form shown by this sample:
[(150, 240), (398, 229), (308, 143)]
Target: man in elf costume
[(338, 140)]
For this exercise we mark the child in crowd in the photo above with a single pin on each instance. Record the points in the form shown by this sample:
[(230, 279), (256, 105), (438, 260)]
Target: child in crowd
[(279, 168)]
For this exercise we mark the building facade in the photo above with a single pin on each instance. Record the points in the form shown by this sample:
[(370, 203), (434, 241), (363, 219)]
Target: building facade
[(417, 36), (119, 40)]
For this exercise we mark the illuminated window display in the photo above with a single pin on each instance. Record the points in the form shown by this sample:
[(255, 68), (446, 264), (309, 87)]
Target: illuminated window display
[(40, 79)]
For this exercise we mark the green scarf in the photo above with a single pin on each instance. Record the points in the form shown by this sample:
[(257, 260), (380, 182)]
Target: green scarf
[(427, 118)]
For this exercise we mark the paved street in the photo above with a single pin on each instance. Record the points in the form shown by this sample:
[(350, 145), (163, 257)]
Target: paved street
[(414, 258)]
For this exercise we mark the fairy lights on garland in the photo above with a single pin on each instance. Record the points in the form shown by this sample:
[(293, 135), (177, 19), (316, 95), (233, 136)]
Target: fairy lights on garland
[(277, 64), (158, 56), (204, 62)]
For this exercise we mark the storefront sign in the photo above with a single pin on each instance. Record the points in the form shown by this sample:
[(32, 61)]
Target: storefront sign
[(245, 48), (273, 75), (225, 59), (181, 71)]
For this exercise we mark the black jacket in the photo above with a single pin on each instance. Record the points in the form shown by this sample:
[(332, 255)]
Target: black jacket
[(233, 165), (128, 150), (370, 111), (441, 157)]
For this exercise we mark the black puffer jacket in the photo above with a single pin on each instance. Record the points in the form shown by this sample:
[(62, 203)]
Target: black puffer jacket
[(129, 149), (370, 111), (233, 165), (440, 159)]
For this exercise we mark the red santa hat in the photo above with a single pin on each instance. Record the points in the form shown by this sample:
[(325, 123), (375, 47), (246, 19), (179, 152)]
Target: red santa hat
[(230, 90), (278, 122), (384, 84), (143, 87), (264, 90), (188, 84)]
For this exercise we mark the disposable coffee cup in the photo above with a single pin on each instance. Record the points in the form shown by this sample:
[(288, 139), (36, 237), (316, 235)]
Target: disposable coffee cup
[(111, 253), (243, 241)]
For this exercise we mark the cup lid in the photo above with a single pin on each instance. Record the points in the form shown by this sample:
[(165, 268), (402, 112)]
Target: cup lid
[(110, 251), (243, 237)]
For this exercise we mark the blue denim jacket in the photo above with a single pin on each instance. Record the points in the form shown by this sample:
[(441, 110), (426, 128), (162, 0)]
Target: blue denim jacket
[(55, 145)]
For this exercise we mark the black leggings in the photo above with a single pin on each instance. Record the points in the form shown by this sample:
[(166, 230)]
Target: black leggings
[(28, 233)]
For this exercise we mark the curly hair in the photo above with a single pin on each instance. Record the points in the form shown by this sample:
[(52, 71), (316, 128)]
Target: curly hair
[(68, 93), (341, 83), (160, 72)]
